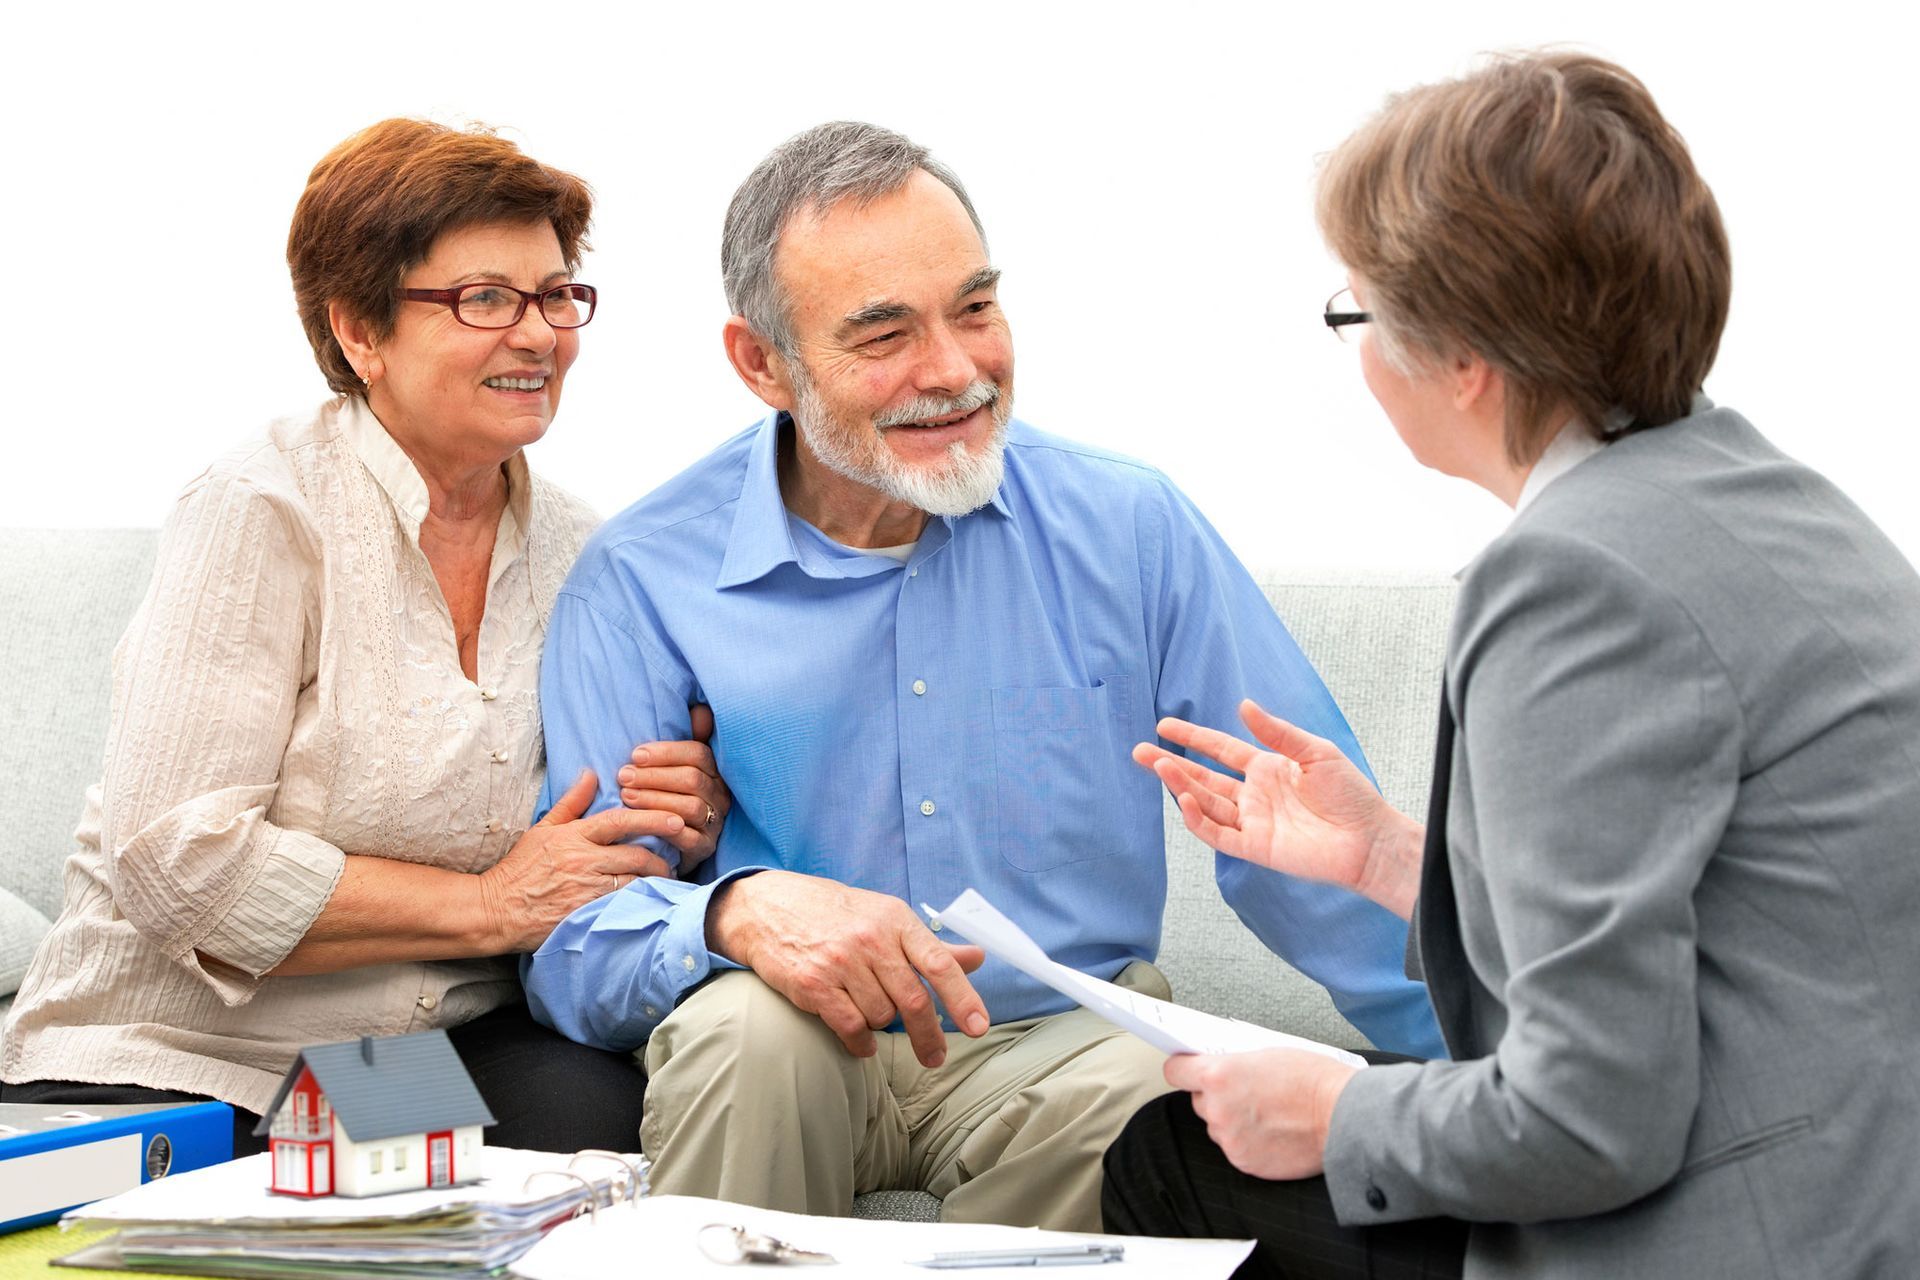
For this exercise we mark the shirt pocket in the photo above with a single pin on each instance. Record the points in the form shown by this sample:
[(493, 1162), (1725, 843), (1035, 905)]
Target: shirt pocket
[(1056, 756)]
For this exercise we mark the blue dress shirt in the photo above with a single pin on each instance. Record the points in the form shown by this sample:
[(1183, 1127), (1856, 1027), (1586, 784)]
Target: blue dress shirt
[(960, 720)]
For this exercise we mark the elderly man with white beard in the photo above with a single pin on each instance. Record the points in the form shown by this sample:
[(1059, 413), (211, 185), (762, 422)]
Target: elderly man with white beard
[(929, 635)]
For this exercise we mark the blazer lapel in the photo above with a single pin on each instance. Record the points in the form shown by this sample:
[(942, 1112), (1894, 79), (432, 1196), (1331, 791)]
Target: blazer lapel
[(1436, 918)]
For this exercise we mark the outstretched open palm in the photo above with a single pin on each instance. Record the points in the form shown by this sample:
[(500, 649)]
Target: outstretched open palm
[(1301, 807)]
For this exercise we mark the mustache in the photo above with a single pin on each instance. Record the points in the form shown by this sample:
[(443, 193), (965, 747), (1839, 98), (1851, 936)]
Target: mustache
[(977, 396)]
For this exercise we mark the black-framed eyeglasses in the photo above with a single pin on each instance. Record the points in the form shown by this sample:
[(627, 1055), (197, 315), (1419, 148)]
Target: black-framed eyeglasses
[(500, 306), (1343, 309)]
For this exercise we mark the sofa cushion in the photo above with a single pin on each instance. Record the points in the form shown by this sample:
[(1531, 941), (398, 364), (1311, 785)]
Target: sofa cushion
[(1378, 640), (69, 594)]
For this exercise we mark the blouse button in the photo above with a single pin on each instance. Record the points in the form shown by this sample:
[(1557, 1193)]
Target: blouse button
[(489, 693), (429, 1002), (493, 824), (500, 756)]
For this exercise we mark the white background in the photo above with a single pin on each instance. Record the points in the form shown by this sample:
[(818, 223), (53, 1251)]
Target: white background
[(1144, 173)]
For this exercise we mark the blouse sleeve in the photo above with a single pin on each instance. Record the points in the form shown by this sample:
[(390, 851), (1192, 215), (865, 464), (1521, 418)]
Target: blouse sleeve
[(205, 685)]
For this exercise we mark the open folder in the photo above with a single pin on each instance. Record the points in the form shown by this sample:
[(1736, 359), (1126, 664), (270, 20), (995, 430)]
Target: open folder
[(1166, 1026)]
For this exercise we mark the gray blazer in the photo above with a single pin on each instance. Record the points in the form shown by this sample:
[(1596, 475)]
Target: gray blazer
[(1671, 910)]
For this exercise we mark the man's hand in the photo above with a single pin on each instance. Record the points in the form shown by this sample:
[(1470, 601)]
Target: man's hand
[(681, 778), (1303, 808), (1267, 1111), (854, 959)]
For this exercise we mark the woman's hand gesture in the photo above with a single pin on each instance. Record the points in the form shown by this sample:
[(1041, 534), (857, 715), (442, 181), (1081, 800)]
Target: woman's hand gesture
[(1301, 807)]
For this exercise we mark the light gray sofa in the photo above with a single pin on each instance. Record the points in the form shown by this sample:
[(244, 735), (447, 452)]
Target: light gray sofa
[(1376, 639)]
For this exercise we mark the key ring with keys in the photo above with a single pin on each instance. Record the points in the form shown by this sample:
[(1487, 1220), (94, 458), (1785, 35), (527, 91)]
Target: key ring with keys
[(743, 1246)]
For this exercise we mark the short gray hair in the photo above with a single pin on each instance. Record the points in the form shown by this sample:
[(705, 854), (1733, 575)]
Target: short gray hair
[(816, 170)]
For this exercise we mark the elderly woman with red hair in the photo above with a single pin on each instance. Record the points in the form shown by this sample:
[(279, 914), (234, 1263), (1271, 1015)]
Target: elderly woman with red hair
[(1667, 884), (325, 739)]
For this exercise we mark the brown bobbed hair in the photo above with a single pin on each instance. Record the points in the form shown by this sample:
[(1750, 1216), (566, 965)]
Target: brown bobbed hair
[(376, 203), (1541, 214)]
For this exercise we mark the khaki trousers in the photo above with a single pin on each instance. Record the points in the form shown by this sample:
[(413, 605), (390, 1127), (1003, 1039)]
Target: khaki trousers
[(751, 1100)]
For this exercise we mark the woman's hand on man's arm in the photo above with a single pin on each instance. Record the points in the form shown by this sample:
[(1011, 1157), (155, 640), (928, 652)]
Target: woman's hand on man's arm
[(385, 911)]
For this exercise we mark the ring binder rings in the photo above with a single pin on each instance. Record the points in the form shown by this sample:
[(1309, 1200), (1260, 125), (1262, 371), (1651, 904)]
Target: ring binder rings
[(224, 1221)]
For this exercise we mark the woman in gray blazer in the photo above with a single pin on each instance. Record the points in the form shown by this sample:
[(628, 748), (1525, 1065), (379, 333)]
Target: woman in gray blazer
[(1667, 898)]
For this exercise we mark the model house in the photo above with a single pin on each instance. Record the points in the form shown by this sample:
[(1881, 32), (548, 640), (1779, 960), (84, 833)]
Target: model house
[(379, 1114)]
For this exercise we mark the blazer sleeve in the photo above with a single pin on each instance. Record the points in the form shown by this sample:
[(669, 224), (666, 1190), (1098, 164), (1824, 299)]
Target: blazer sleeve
[(1594, 771)]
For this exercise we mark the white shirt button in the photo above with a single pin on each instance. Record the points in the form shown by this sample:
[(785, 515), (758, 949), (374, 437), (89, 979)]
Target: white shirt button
[(688, 963), (926, 807), (500, 756), (913, 573), (651, 1011), (493, 825), (920, 686), (935, 925), (429, 1002), (489, 693)]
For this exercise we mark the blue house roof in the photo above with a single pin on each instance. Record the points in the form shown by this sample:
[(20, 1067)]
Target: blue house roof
[(389, 1086)]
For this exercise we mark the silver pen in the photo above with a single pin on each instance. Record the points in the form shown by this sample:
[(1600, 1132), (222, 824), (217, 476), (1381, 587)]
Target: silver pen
[(1070, 1255)]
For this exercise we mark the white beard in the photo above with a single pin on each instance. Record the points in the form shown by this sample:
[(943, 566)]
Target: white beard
[(965, 483)]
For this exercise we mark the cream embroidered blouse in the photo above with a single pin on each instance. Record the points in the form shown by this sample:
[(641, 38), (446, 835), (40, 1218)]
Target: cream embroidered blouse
[(289, 692)]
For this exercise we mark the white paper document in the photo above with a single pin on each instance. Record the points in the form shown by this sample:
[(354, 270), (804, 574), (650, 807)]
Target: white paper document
[(237, 1194), (1168, 1027), (660, 1236)]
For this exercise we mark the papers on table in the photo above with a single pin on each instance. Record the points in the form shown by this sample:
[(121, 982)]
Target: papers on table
[(1168, 1027), (223, 1221), (659, 1237)]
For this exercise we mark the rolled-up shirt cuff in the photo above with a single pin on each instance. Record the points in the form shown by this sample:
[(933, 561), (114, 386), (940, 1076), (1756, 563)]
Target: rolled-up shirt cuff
[(684, 962), (268, 918)]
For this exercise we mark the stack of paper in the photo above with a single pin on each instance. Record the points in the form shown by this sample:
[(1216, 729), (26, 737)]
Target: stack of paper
[(223, 1221)]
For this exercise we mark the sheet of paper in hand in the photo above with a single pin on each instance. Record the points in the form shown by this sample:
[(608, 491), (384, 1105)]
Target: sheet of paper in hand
[(1166, 1026)]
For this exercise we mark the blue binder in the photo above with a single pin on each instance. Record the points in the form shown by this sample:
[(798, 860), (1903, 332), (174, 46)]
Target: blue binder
[(52, 1159)]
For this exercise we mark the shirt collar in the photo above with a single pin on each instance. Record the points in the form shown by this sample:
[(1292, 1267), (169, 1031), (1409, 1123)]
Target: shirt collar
[(1570, 447), (761, 540), (400, 480)]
